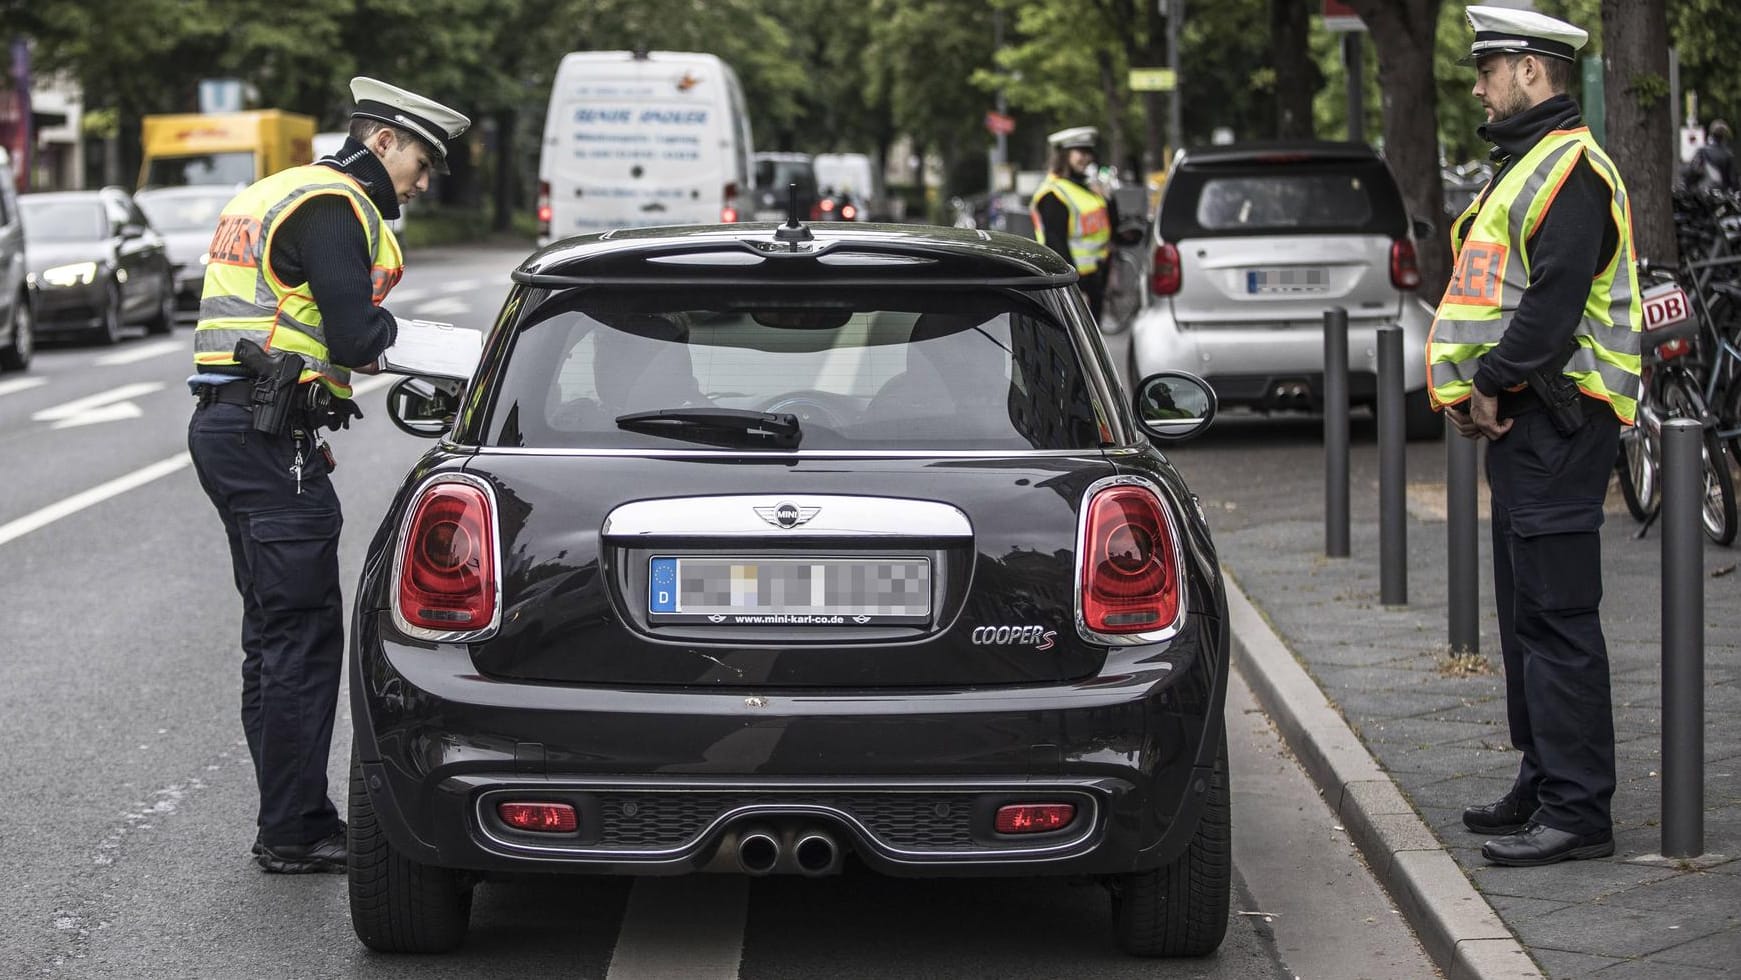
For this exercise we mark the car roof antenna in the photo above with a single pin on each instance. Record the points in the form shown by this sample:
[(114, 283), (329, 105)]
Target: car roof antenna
[(792, 232)]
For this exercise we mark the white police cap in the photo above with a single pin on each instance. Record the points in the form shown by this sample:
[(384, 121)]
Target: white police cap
[(426, 119), (1080, 136), (1502, 30)]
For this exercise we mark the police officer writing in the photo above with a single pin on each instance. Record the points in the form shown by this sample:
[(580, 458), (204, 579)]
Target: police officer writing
[(299, 266), (1536, 348), (1070, 214)]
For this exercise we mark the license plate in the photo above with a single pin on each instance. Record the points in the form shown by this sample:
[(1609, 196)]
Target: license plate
[(1308, 279), (1665, 306), (789, 591)]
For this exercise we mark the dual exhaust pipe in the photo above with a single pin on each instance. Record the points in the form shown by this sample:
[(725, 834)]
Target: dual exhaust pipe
[(810, 851)]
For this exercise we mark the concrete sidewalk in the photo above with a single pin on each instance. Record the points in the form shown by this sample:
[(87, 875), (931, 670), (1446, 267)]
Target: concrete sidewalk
[(1433, 727)]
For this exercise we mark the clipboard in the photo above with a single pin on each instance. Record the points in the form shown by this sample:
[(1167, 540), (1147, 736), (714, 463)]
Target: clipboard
[(428, 349)]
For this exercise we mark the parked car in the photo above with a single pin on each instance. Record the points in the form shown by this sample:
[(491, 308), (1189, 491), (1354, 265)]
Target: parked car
[(758, 551), (775, 173), (186, 217), (94, 264), (1253, 243), (17, 330)]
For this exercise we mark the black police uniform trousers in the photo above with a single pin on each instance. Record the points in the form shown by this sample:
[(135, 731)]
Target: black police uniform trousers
[(1547, 493), (284, 553)]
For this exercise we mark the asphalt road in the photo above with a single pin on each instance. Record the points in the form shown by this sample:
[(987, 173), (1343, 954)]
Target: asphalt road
[(130, 798)]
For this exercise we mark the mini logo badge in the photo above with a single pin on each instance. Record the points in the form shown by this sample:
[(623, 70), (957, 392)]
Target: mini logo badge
[(786, 514)]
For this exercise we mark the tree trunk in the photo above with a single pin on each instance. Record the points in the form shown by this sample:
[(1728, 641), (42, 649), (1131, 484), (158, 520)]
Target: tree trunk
[(1114, 88), (1290, 29), (1635, 65), (1403, 33), (1154, 52), (507, 122)]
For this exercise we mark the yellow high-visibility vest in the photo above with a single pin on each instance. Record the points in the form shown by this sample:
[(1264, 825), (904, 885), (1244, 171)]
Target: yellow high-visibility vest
[(1493, 268), (1090, 225), (243, 298)]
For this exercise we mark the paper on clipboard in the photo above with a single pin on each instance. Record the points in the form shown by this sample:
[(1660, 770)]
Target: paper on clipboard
[(429, 349)]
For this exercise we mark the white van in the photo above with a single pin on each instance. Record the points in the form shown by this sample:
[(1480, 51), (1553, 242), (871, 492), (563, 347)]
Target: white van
[(636, 139), (853, 175)]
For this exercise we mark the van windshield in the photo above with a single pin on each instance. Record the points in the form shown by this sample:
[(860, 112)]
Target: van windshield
[(207, 168)]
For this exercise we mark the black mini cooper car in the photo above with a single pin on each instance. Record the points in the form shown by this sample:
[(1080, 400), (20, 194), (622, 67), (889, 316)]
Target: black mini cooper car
[(759, 550)]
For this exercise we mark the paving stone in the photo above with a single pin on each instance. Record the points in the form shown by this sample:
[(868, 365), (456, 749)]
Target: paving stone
[(1657, 966), (1560, 964), (1719, 952), (1609, 930), (1571, 881)]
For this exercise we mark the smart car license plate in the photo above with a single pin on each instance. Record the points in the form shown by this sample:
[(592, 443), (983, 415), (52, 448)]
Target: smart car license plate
[(884, 591), (1309, 279)]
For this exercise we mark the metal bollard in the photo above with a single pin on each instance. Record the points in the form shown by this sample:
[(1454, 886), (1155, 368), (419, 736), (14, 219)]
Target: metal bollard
[(1393, 528), (1683, 640), (1462, 553), (1336, 432)]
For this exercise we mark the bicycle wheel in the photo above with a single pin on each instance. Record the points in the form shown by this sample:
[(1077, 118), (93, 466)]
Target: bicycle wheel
[(1717, 498), (1638, 471)]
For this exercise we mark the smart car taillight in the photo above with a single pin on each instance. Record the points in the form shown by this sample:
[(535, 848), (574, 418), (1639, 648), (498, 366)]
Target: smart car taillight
[(1164, 280), (544, 207), (1405, 272), (1129, 563), (447, 577)]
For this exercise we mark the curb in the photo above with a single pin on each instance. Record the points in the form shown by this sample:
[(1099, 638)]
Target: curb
[(1459, 930)]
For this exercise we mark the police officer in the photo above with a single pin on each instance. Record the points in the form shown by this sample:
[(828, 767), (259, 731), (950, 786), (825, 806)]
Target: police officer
[(1536, 348), (1072, 216), (299, 265)]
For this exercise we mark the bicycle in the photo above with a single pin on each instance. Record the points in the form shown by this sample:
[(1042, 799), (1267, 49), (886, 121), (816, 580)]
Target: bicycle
[(1670, 388)]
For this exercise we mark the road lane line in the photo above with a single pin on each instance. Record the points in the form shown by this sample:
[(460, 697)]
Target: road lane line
[(85, 404), (21, 384), (690, 926), (445, 306), (143, 353), (459, 285), (95, 495)]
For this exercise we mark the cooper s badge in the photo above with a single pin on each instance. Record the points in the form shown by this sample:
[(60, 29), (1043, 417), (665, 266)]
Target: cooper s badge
[(1038, 637)]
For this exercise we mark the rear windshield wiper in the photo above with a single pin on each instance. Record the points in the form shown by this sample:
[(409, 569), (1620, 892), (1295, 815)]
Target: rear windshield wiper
[(718, 426)]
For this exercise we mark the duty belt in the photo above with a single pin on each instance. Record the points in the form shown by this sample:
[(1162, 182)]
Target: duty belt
[(231, 393)]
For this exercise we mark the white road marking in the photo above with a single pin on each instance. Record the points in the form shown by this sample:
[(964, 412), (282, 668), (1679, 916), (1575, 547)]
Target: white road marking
[(407, 295), (690, 926), (144, 352), (21, 384), (459, 285), (446, 306), (368, 384), (95, 495), (100, 407)]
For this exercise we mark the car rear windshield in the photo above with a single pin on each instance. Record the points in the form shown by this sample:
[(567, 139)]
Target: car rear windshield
[(859, 371), (63, 220), (1315, 197), (776, 174)]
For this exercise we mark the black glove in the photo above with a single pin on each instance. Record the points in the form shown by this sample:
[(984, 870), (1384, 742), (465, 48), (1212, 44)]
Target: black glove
[(340, 413)]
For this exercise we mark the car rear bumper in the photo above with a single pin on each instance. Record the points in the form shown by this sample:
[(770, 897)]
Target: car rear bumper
[(667, 781), (69, 307)]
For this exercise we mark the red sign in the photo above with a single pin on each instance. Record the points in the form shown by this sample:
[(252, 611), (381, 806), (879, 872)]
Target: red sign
[(997, 122), (1339, 16)]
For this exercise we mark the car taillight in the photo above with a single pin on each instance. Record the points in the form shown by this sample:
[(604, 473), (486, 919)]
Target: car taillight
[(848, 212), (549, 818), (447, 576), (1164, 280), (1129, 563), (1405, 273), (544, 207), (1034, 818), (827, 205), (729, 213)]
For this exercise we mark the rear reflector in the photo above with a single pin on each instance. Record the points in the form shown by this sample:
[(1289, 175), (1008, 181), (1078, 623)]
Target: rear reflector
[(545, 818), (1034, 818)]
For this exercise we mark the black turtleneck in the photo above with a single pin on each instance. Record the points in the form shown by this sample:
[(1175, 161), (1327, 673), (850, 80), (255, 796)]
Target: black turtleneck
[(323, 244), (1573, 242)]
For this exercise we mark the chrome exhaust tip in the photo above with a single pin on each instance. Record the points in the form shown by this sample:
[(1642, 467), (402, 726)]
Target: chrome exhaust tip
[(758, 851), (816, 853)]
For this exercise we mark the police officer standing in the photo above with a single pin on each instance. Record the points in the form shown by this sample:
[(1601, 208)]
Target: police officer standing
[(298, 268), (1536, 348), (1072, 216)]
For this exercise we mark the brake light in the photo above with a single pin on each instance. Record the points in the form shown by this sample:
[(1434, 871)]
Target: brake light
[(728, 214), (544, 207), (549, 818), (1129, 563), (1164, 281), (848, 213), (826, 204), (1405, 272), (447, 576), (1034, 818)]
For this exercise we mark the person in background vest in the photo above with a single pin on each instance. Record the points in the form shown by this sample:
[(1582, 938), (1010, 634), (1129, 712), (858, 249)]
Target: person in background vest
[(1072, 216), (1535, 348), (299, 265)]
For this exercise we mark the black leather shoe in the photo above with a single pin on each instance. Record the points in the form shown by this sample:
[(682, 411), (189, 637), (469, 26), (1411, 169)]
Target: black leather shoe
[(1507, 815), (326, 855), (1536, 845)]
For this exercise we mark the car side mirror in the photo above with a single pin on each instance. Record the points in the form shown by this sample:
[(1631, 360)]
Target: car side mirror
[(1173, 406), (1423, 229), (423, 407)]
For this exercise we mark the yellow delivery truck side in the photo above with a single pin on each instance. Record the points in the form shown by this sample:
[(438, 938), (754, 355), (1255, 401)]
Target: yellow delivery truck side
[(224, 147)]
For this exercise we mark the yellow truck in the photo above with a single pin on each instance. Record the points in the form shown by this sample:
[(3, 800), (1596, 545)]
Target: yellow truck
[(224, 147)]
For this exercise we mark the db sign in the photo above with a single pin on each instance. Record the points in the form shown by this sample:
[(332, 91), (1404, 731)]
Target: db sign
[(1665, 306)]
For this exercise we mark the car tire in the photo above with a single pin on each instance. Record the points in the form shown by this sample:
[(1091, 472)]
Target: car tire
[(109, 331), (16, 355), (1181, 909), (1419, 421), (164, 321), (399, 905)]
